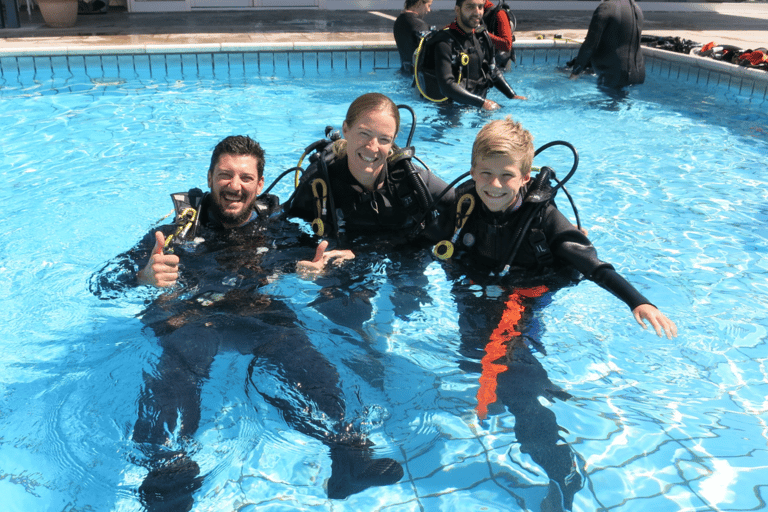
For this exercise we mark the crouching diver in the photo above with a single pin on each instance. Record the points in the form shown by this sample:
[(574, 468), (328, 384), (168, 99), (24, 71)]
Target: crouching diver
[(505, 231), (458, 63), (214, 260)]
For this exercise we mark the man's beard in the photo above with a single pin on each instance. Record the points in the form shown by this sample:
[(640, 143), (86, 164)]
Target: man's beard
[(467, 22), (231, 219)]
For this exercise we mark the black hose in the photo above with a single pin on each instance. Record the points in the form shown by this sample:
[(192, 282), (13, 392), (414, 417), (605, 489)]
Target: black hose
[(519, 239), (573, 205), (449, 187), (575, 160), (561, 183), (413, 124), (281, 176)]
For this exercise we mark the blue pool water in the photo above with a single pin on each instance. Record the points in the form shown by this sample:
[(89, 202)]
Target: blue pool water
[(671, 186)]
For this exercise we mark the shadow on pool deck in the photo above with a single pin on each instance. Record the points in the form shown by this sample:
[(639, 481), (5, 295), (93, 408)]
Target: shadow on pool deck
[(740, 24)]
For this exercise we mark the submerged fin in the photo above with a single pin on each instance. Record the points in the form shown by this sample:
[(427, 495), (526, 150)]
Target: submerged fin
[(353, 470), (169, 487)]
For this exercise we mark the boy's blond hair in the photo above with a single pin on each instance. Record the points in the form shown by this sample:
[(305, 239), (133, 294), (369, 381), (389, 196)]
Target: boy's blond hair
[(505, 137)]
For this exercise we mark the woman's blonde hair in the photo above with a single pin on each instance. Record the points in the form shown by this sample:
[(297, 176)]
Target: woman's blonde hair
[(505, 137), (370, 102)]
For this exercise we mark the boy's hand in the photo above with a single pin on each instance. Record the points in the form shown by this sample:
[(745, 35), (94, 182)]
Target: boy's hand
[(646, 312)]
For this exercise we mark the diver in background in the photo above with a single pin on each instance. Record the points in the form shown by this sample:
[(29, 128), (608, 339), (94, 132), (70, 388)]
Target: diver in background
[(612, 46), (220, 255), (496, 20), (408, 29), (459, 62)]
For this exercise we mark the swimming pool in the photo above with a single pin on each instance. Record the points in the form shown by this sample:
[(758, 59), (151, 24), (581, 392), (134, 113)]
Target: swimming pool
[(672, 189)]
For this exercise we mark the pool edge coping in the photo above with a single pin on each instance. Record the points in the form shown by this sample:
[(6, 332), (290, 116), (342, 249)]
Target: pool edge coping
[(696, 61), (141, 49), (707, 63)]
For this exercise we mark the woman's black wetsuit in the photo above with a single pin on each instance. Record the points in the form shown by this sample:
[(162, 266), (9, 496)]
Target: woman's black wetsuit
[(392, 209)]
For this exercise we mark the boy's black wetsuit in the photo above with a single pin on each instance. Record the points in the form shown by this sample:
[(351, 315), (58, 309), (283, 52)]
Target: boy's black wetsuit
[(498, 326), (217, 304), (551, 241), (612, 45), (407, 31), (443, 67)]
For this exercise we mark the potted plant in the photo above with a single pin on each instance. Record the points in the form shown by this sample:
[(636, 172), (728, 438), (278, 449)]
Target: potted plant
[(58, 13)]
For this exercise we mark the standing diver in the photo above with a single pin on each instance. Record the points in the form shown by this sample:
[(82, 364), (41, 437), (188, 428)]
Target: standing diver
[(458, 63), (407, 30), (612, 45), (215, 260)]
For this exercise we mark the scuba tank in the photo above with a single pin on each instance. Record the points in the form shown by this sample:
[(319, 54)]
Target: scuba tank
[(489, 20), (423, 61)]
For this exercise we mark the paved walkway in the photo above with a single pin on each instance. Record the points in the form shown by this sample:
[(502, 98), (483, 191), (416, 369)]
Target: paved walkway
[(741, 24)]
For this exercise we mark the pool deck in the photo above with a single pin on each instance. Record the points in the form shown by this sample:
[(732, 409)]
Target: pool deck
[(744, 25)]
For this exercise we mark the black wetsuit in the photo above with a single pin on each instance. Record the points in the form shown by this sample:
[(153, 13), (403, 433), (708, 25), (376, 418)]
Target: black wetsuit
[(441, 78), (217, 304), (488, 237), (407, 30), (612, 46), (389, 221), (500, 334), (392, 209)]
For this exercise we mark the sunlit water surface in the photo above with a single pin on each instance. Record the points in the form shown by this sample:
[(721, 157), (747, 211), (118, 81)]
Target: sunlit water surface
[(671, 186)]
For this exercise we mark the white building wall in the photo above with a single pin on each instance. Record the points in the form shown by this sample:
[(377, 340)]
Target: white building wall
[(354, 5)]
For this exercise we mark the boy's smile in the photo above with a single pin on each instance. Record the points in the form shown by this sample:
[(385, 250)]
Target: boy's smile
[(498, 181)]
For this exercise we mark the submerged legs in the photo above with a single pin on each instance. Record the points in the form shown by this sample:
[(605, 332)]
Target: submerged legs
[(510, 374), (310, 400), (314, 406)]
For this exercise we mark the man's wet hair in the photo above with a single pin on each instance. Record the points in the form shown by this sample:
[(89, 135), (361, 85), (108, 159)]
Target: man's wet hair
[(238, 145)]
